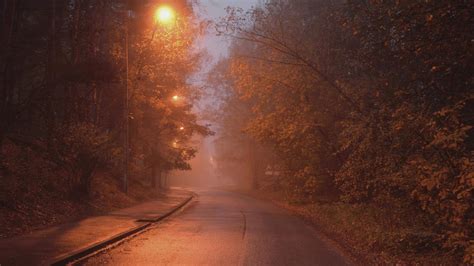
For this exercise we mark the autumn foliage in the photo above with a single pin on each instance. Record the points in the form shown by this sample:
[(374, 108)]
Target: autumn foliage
[(362, 102), (63, 95)]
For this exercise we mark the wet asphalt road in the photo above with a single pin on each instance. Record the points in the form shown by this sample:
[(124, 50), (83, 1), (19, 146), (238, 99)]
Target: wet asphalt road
[(226, 228)]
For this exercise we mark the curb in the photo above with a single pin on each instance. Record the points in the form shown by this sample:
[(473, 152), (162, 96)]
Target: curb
[(83, 252), (159, 218)]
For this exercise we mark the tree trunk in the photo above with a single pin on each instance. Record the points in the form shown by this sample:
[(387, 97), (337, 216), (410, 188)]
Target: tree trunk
[(50, 74), (9, 23)]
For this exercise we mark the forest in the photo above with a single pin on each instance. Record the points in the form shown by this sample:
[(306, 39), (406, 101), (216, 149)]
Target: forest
[(358, 114), (360, 104), (82, 84)]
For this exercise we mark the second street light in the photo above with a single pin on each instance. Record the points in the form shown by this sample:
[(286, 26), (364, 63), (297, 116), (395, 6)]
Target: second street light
[(164, 15)]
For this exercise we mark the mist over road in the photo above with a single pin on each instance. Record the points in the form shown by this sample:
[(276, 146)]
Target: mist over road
[(226, 228)]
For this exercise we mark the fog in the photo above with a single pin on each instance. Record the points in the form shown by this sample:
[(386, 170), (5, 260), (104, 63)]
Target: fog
[(202, 173), (205, 171), (208, 170)]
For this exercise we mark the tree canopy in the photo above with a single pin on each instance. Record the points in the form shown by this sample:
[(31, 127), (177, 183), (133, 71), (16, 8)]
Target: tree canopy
[(362, 101), (63, 84)]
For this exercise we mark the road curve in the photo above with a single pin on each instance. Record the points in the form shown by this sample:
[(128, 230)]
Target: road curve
[(226, 228)]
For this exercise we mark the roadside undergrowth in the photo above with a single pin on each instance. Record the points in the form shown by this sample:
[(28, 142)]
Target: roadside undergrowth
[(371, 234), (35, 195)]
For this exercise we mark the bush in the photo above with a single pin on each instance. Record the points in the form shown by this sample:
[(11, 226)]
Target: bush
[(81, 149)]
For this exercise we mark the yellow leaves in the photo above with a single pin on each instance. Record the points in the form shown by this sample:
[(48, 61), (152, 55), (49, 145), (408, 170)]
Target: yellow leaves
[(447, 196), (429, 183), (450, 139), (469, 254), (468, 179)]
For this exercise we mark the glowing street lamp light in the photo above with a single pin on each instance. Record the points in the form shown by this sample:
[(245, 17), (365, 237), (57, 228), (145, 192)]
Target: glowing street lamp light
[(181, 128), (165, 14), (175, 98)]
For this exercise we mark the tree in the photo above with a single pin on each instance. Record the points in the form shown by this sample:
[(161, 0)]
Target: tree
[(63, 79), (367, 101)]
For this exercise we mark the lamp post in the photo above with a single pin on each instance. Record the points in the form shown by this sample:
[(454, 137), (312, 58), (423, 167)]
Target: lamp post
[(163, 15), (126, 112)]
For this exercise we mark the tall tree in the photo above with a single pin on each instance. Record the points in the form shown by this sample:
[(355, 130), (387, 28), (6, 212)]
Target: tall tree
[(368, 101)]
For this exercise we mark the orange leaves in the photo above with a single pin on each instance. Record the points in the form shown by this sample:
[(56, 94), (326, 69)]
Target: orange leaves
[(405, 142), (429, 183)]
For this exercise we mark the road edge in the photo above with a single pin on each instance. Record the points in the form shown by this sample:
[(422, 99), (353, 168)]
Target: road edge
[(80, 253), (352, 257)]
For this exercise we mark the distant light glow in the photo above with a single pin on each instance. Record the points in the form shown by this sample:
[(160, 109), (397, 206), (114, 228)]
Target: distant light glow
[(181, 128), (165, 14), (175, 98)]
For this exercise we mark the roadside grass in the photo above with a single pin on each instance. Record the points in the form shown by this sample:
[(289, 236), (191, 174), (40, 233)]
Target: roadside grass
[(374, 235)]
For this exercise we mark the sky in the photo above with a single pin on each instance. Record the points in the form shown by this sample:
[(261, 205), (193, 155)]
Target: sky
[(215, 46), (212, 10)]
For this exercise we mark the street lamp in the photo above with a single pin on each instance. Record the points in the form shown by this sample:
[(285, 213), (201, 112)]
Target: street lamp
[(164, 15), (126, 112)]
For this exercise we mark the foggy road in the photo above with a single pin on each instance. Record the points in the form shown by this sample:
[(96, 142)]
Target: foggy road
[(226, 228)]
